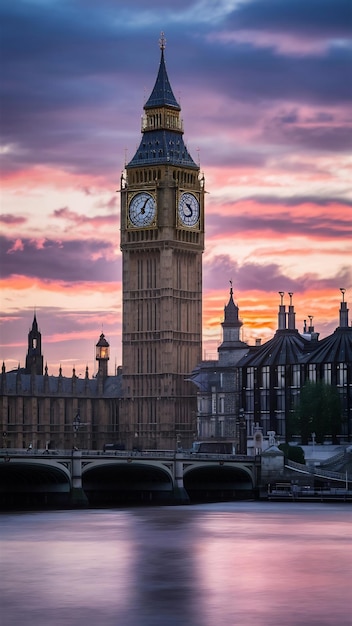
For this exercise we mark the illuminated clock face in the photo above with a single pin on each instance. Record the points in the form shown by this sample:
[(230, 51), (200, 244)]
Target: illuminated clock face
[(142, 209), (188, 209)]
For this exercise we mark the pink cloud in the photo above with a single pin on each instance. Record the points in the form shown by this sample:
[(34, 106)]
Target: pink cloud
[(17, 246), (12, 220)]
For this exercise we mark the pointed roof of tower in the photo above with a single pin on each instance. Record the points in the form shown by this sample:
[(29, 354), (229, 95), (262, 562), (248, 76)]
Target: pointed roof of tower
[(162, 94), (162, 130), (102, 343), (231, 312), (35, 323)]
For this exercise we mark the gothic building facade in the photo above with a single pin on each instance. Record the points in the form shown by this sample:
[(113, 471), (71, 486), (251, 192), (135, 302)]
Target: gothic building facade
[(162, 241), (46, 412), (219, 399)]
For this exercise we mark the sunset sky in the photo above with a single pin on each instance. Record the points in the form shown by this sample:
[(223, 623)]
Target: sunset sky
[(265, 88)]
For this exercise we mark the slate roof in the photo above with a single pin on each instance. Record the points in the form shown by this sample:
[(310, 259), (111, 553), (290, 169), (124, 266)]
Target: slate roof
[(205, 375), (336, 348), (61, 385), (162, 147), (285, 348), (162, 94)]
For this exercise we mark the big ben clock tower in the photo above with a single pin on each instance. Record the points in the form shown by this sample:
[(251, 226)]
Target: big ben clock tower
[(162, 240)]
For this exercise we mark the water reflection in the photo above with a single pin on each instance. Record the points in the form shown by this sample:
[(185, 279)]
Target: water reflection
[(168, 591), (206, 565)]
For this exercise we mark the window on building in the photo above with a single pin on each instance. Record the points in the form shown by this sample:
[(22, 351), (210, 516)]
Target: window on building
[(281, 376), (213, 403), (296, 376), (312, 372), (341, 374), (250, 378), (265, 377), (327, 373)]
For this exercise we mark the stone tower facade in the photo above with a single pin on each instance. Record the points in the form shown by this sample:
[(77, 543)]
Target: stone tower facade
[(162, 241)]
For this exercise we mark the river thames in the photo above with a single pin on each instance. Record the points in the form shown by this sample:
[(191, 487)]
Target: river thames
[(243, 564)]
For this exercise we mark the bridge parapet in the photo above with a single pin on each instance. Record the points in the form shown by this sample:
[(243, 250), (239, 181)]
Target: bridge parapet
[(155, 471), (142, 454)]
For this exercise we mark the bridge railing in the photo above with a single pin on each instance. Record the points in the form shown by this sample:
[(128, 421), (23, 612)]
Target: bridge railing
[(315, 471), (128, 454), (334, 459)]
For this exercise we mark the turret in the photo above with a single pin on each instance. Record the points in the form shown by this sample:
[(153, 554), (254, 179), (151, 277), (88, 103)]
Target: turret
[(102, 356), (34, 358), (231, 348), (231, 320)]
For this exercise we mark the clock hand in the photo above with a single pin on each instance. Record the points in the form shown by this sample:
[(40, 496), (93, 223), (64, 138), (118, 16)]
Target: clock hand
[(190, 209), (143, 207)]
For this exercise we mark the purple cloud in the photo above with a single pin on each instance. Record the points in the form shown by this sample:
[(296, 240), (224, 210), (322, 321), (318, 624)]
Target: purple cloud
[(267, 277), (67, 261)]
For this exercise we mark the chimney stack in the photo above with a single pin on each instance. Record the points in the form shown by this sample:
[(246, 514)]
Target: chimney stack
[(282, 312), (343, 310), (291, 324)]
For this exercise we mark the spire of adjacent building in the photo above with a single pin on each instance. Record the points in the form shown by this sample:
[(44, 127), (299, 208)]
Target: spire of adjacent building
[(231, 312), (35, 323), (232, 347), (34, 358)]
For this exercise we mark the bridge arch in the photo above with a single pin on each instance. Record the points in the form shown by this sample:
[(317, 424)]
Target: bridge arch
[(113, 482), (23, 482), (218, 481)]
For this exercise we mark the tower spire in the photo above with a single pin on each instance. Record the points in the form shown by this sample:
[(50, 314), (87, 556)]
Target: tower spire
[(162, 94), (162, 127), (162, 41)]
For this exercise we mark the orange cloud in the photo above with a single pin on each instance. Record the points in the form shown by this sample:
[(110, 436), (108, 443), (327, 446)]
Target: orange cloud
[(20, 283)]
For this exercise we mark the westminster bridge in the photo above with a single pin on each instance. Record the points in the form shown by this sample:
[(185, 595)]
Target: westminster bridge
[(74, 478)]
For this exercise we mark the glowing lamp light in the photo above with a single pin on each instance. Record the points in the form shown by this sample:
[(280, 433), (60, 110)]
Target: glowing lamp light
[(102, 349)]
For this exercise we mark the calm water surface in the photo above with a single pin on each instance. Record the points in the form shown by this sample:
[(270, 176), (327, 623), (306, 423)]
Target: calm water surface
[(245, 564)]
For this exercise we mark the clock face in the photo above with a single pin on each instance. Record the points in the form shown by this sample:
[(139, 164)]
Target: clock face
[(188, 209), (142, 209)]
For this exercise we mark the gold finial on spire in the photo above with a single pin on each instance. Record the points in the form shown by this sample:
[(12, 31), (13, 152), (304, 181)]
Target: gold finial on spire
[(162, 41)]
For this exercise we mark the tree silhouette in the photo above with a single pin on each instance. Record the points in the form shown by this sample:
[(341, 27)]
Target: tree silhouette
[(318, 411)]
